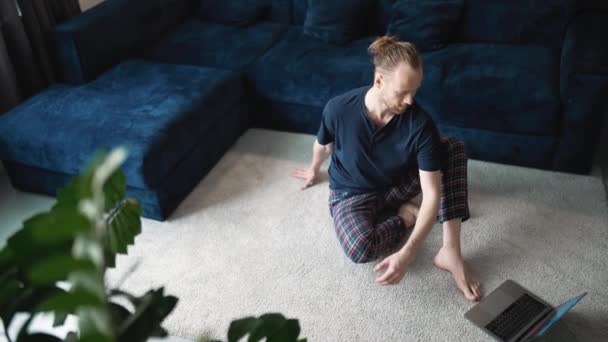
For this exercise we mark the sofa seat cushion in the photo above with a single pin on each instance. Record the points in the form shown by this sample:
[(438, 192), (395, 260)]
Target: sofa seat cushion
[(216, 45), (159, 112), (304, 70), (503, 88)]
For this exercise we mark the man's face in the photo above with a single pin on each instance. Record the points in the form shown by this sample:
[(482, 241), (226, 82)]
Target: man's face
[(398, 88)]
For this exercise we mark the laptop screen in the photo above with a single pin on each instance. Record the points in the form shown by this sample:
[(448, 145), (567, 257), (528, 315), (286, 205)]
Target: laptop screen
[(559, 312)]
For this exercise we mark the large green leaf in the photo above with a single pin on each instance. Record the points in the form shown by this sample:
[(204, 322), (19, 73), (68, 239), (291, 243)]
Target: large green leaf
[(114, 190), (46, 233), (59, 318), (70, 302), (118, 314), (78, 188), (81, 186), (94, 324), (6, 259), (26, 300), (150, 311), (136, 301), (288, 331), (124, 224), (37, 337), (58, 267), (272, 326), (10, 290), (241, 327)]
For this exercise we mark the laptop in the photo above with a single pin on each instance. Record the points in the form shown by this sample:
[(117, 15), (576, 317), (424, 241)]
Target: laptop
[(511, 313)]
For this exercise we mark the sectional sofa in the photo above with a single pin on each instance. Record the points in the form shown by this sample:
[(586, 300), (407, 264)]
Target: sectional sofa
[(178, 81)]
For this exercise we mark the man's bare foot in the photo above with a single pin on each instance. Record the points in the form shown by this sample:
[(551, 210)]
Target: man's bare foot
[(449, 259), (408, 212)]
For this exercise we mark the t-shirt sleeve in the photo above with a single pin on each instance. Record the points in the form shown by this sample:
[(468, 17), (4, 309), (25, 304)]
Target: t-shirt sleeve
[(327, 130), (429, 153)]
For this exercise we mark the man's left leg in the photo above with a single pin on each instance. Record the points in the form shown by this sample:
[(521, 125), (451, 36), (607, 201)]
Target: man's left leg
[(449, 258), (453, 211)]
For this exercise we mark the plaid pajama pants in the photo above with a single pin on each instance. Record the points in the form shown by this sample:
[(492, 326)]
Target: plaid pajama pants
[(367, 225)]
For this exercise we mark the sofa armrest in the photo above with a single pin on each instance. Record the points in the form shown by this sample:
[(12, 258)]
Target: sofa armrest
[(583, 89), (111, 32)]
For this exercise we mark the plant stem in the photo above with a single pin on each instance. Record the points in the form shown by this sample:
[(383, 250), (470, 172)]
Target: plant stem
[(8, 338)]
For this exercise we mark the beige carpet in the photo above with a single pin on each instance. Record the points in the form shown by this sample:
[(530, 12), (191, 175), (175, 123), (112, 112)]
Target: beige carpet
[(248, 241)]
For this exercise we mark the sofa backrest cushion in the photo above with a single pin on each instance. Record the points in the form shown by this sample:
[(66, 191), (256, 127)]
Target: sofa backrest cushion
[(111, 32), (293, 12), (232, 12), (336, 21), (429, 24), (537, 22)]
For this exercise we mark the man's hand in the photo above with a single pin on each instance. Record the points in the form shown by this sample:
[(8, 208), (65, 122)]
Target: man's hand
[(396, 265), (309, 175)]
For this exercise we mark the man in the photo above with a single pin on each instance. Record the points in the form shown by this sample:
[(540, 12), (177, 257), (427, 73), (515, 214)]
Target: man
[(386, 154)]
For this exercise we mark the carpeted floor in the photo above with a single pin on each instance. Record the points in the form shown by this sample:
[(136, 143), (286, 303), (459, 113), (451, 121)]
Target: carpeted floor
[(248, 241)]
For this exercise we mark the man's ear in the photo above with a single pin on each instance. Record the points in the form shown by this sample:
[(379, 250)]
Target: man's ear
[(378, 80)]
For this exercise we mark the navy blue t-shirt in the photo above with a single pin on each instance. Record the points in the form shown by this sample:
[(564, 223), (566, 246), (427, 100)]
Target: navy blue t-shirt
[(367, 159)]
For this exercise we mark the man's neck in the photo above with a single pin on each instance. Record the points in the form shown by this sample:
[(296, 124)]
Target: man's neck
[(375, 107)]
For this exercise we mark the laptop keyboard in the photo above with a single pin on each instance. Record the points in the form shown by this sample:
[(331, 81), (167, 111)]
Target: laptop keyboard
[(516, 316)]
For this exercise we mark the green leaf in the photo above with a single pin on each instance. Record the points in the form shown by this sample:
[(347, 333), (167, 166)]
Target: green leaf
[(114, 189), (71, 337), (136, 301), (81, 187), (241, 327), (271, 322), (272, 326), (118, 314), (287, 332), (57, 268), (46, 233), (6, 259), (59, 318), (124, 224), (9, 292), (94, 324), (153, 307), (70, 301), (26, 300), (60, 225), (78, 188), (38, 337)]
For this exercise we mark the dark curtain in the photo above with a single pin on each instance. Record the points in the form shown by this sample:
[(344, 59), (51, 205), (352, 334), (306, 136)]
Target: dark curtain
[(26, 56)]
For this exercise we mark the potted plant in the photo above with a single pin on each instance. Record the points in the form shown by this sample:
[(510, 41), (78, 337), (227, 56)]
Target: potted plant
[(57, 261)]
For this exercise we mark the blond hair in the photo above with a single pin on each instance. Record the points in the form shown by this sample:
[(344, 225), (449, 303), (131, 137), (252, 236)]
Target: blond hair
[(388, 51)]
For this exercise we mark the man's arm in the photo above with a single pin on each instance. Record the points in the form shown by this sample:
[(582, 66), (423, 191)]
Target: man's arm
[(430, 182), (310, 174), (397, 263), (320, 153)]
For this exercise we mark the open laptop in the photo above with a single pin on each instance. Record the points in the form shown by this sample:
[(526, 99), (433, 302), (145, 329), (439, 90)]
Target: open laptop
[(511, 313)]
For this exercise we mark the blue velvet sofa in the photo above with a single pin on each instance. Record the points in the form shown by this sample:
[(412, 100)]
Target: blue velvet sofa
[(178, 81)]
